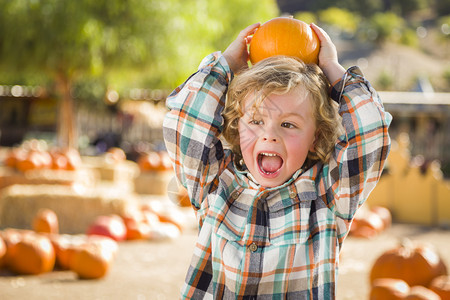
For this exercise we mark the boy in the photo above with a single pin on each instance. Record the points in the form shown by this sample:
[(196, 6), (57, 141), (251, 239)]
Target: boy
[(274, 209)]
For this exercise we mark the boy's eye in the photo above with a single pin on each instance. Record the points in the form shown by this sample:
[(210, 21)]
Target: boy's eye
[(257, 122), (287, 125)]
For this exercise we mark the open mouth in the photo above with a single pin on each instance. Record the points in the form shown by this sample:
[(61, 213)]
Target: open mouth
[(269, 163)]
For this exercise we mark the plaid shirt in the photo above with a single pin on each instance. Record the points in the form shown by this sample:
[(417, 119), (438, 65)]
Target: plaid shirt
[(270, 243)]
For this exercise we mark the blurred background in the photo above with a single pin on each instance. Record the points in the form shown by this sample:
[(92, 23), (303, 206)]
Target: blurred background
[(91, 76)]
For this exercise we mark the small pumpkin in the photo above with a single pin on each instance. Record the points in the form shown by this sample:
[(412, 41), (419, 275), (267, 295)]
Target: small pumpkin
[(388, 289), (93, 260), (366, 224), (65, 246), (384, 214), (116, 154), (441, 286), (2, 251), (111, 226), (417, 264), (285, 36), (46, 221), (31, 254), (136, 225)]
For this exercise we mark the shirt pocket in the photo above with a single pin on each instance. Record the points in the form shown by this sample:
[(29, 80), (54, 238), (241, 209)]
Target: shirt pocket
[(289, 224), (232, 226)]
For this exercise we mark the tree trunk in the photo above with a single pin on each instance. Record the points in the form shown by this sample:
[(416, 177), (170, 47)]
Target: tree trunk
[(66, 135)]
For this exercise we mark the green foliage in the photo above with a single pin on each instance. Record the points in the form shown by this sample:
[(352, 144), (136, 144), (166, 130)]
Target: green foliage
[(442, 7), (409, 38), (444, 24), (340, 18), (446, 76), (405, 7), (306, 16), (386, 26), (385, 81), (127, 42)]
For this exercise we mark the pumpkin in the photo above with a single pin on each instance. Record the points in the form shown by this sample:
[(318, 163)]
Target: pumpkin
[(421, 293), (2, 251), (166, 162), (46, 221), (65, 246), (150, 161), (31, 161), (366, 224), (111, 226), (417, 264), (384, 214), (136, 225), (285, 36), (92, 260), (388, 289), (31, 254), (441, 286)]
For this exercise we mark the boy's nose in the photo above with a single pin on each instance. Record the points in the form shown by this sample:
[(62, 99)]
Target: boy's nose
[(270, 136)]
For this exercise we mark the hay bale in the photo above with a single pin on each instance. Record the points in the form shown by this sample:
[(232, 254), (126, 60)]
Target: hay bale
[(76, 206), (9, 176), (154, 182), (120, 173)]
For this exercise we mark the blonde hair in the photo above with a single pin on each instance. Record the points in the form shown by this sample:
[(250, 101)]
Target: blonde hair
[(280, 75)]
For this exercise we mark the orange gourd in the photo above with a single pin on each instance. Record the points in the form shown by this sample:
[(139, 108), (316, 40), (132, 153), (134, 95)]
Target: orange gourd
[(2, 252), (388, 289), (31, 254), (285, 36), (65, 246), (416, 264), (46, 221), (93, 260), (441, 286), (384, 214)]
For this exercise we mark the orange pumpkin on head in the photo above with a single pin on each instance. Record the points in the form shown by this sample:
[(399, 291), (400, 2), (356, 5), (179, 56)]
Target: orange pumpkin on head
[(285, 36)]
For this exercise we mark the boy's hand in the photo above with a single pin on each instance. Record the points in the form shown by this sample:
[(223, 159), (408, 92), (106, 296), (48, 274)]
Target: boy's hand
[(328, 58), (237, 54)]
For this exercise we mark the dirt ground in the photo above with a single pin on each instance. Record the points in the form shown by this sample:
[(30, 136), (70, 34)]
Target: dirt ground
[(156, 270)]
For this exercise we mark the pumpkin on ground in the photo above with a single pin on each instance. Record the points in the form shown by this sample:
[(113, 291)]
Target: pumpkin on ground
[(136, 225), (285, 36), (417, 264), (441, 286), (29, 253), (388, 289), (366, 224), (93, 260), (65, 246), (46, 221), (2, 251), (111, 226), (384, 214)]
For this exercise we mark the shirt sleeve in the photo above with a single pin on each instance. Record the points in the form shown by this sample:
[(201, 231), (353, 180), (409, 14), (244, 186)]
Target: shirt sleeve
[(193, 125), (360, 153)]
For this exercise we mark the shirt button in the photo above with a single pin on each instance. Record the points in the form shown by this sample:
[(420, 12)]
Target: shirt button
[(253, 247), (235, 195), (292, 194)]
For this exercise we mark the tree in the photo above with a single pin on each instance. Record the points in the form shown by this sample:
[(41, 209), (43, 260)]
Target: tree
[(158, 40), (68, 39)]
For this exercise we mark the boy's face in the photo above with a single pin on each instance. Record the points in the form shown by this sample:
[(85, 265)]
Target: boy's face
[(276, 138)]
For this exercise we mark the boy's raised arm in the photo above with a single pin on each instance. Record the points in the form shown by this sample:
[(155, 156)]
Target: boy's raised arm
[(192, 127), (356, 165)]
